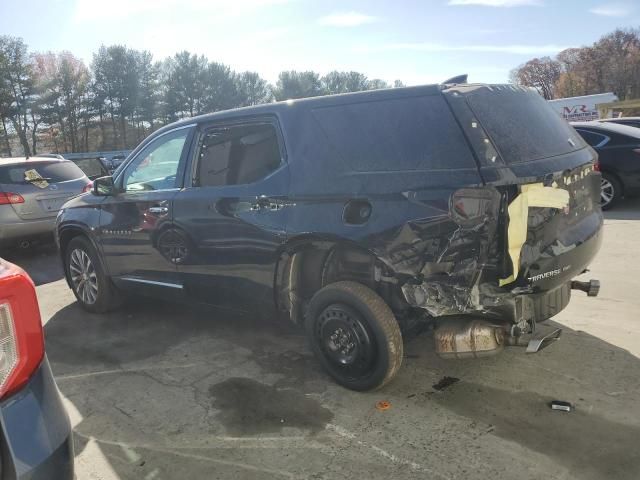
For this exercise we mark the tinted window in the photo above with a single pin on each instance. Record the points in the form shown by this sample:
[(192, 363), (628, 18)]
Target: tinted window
[(156, 166), (237, 155), (418, 133), (521, 124), (52, 171), (592, 138)]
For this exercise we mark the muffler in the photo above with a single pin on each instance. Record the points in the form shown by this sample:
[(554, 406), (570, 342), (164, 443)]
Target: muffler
[(468, 339)]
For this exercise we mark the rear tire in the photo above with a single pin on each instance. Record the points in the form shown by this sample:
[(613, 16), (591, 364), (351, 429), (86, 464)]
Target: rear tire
[(355, 335), (91, 286), (610, 191)]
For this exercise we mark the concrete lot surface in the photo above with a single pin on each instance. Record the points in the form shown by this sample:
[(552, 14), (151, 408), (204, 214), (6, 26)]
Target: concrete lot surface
[(162, 391)]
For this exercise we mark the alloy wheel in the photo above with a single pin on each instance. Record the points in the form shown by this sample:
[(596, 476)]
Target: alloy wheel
[(607, 192), (83, 276)]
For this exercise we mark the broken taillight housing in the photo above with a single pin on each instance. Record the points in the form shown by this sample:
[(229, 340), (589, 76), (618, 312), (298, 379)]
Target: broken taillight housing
[(8, 198), (21, 338)]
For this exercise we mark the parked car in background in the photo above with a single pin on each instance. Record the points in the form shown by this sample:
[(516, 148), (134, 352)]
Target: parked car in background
[(32, 190), (35, 435), (357, 216), (629, 121), (618, 148)]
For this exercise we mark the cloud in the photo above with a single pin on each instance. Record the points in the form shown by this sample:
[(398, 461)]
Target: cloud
[(437, 47), (87, 10), (346, 19), (497, 3), (611, 10)]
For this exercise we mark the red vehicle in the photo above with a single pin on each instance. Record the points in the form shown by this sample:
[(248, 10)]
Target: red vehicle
[(34, 427)]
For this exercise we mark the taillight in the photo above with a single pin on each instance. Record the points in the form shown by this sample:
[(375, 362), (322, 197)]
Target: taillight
[(7, 198), (636, 150), (596, 166), (87, 187), (21, 338)]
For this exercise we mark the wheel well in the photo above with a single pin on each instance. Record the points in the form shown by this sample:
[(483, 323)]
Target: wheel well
[(67, 235), (306, 268)]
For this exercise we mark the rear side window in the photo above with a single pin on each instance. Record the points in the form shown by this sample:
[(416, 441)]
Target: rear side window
[(53, 172), (521, 124), (237, 155), (417, 133), (592, 138)]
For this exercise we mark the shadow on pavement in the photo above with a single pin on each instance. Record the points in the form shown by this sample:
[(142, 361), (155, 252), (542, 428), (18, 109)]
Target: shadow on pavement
[(627, 209), (40, 261), (245, 376)]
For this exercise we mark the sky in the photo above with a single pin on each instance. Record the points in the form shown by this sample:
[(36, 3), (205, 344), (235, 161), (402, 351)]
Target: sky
[(416, 41)]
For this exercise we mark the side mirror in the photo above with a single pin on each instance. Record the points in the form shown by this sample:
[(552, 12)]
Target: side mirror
[(104, 187)]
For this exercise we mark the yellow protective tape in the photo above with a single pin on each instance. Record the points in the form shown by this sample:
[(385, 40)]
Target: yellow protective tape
[(532, 195)]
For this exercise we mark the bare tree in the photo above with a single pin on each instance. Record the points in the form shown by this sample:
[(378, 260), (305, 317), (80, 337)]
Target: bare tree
[(539, 73)]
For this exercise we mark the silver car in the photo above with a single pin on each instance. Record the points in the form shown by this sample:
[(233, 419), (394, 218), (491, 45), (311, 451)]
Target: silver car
[(31, 193)]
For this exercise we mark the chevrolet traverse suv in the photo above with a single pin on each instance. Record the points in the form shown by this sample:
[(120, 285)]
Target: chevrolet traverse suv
[(357, 216)]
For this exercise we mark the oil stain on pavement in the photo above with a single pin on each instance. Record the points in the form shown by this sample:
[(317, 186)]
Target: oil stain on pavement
[(248, 407)]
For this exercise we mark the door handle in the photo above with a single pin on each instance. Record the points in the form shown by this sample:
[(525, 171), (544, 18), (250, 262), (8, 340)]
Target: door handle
[(159, 210)]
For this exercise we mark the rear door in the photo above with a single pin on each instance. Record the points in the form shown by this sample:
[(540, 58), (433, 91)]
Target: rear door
[(135, 222), (44, 185), (232, 213)]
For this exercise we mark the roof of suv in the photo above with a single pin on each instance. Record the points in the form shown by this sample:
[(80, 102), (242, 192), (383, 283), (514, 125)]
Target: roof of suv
[(324, 100)]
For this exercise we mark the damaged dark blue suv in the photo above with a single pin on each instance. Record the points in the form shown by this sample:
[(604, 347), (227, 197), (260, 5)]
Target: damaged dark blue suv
[(359, 216)]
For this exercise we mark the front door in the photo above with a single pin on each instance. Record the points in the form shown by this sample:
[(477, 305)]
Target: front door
[(232, 213), (135, 224)]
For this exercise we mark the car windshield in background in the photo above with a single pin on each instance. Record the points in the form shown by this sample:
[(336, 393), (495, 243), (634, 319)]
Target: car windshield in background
[(53, 172), (521, 125), (92, 167)]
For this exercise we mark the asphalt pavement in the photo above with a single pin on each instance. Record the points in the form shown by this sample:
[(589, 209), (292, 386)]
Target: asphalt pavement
[(165, 391)]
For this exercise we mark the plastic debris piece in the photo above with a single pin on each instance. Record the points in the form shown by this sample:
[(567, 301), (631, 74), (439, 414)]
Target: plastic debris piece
[(383, 405), (560, 405)]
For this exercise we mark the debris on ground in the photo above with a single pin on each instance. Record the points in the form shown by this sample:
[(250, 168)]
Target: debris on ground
[(560, 405), (383, 405)]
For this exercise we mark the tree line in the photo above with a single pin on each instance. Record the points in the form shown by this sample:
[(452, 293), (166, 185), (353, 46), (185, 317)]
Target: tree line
[(612, 64), (54, 102)]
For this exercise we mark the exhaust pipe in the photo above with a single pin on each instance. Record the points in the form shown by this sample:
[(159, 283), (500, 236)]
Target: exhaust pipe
[(455, 339)]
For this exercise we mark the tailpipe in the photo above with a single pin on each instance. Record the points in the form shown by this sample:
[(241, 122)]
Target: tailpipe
[(474, 339)]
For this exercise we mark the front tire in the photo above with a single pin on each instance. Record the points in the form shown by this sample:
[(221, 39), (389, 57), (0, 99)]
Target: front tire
[(355, 335), (91, 286)]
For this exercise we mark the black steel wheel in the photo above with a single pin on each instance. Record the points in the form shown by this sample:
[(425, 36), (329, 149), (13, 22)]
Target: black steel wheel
[(85, 274), (355, 335)]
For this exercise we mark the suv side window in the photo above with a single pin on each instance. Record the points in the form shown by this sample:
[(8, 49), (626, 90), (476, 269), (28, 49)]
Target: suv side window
[(156, 166), (592, 138), (237, 155)]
